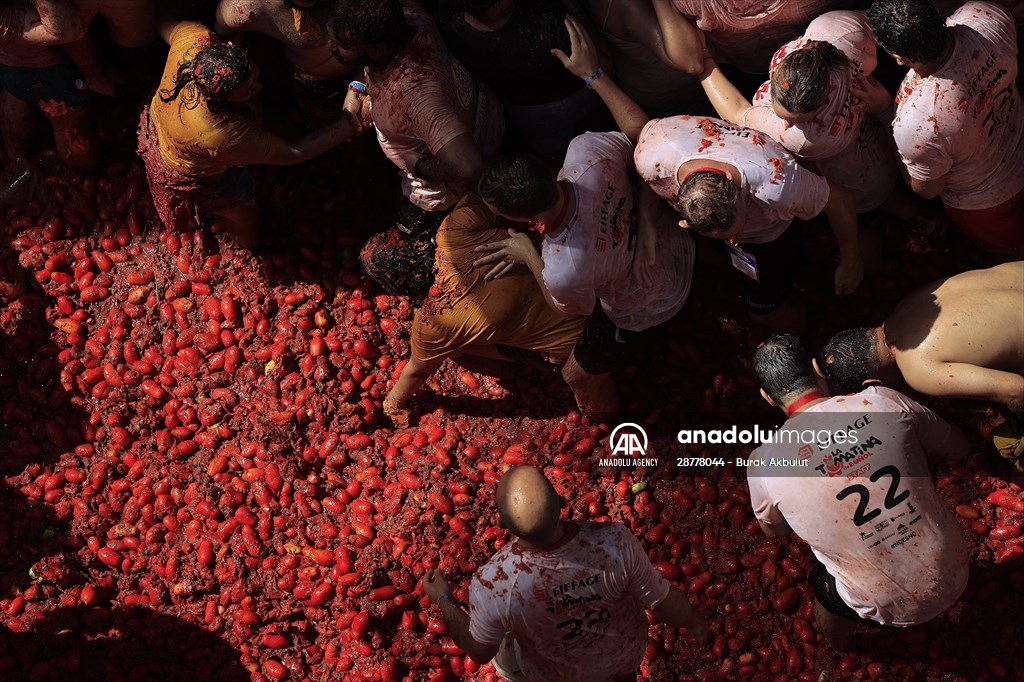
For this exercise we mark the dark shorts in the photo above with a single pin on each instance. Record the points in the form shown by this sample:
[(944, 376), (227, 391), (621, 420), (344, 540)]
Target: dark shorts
[(778, 263), (603, 346), (824, 585), (51, 84)]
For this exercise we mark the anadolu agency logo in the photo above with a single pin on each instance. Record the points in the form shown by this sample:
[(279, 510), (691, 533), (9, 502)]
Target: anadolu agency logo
[(628, 443)]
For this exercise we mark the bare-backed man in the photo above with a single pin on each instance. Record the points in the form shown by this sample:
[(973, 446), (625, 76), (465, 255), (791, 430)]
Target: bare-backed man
[(959, 337)]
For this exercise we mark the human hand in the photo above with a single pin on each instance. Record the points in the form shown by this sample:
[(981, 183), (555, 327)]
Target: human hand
[(508, 253), (434, 584), (869, 96), (849, 275), (397, 412), (583, 62), (354, 104)]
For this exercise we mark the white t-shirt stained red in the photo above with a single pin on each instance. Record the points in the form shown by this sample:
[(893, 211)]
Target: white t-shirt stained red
[(965, 122), (869, 509), (592, 258), (851, 150), (425, 99), (774, 189), (576, 611)]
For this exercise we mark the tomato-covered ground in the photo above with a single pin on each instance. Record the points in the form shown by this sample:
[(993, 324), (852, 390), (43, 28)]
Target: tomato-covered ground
[(198, 482)]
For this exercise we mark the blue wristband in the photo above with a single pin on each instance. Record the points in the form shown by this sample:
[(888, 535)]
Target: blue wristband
[(594, 76)]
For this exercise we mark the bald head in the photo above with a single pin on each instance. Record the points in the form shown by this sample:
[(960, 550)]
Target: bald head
[(528, 505)]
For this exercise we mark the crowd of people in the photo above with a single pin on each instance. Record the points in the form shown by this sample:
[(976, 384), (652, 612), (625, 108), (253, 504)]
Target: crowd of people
[(563, 163)]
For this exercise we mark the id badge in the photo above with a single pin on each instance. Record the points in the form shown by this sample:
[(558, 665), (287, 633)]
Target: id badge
[(743, 261)]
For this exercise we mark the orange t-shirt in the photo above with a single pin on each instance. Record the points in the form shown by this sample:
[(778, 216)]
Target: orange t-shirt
[(469, 311), (194, 140)]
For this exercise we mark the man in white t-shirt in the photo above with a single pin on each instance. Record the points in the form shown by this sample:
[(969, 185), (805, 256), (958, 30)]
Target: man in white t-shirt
[(959, 122), (607, 252), (733, 184), (563, 600), (860, 494)]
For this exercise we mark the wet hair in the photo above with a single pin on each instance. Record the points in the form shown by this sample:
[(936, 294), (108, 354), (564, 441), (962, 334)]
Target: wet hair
[(521, 186), (362, 23), (401, 265), (783, 367), (213, 74), (849, 358), (911, 29), (707, 201), (800, 83)]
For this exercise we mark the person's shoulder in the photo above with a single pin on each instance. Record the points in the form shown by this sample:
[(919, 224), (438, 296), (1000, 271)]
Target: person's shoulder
[(601, 151), (188, 32), (979, 14), (501, 567), (470, 214)]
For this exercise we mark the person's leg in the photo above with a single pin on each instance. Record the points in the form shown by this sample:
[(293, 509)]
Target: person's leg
[(596, 394), (835, 618), (242, 223), (17, 125), (75, 143), (771, 300), (837, 630)]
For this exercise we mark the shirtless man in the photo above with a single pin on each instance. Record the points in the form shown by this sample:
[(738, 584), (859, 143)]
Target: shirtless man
[(301, 28), (960, 337), (36, 72)]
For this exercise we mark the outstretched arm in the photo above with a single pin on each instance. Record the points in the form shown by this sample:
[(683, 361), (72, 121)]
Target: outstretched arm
[(675, 610), (843, 219), (436, 587), (414, 375), (682, 43), (960, 380), (280, 152), (728, 101), (583, 62)]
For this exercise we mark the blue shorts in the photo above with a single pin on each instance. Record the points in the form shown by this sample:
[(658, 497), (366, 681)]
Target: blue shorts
[(54, 84)]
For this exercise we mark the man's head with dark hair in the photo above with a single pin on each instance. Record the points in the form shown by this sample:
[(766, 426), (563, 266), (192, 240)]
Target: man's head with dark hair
[(850, 358), (800, 83), (367, 32), (519, 187), (707, 202), (909, 29), (783, 367), (528, 505)]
